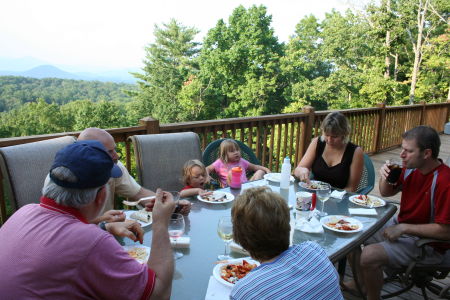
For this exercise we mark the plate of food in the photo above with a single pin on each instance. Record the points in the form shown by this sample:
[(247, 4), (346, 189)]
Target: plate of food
[(275, 177), (367, 201), (313, 185), (229, 272), (217, 198), (341, 224), (142, 216), (138, 252)]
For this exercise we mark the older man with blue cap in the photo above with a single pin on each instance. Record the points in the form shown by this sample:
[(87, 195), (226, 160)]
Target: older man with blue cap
[(50, 251)]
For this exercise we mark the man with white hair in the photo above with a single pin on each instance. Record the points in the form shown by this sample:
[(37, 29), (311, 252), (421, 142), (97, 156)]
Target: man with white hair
[(50, 251), (124, 185)]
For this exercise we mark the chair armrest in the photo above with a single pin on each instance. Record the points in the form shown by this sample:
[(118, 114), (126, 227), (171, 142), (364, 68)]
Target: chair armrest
[(421, 242)]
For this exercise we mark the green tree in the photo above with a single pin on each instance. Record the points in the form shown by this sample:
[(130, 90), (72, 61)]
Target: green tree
[(169, 63), (31, 119), (81, 114), (239, 68)]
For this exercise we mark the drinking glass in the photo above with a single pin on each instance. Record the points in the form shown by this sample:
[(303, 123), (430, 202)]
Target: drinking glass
[(323, 194), (395, 167), (225, 231), (176, 229)]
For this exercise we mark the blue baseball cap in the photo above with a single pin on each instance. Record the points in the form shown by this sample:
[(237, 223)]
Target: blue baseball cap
[(89, 162)]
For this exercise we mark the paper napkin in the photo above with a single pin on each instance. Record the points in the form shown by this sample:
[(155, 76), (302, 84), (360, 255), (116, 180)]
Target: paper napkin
[(181, 242), (363, 211), (337, 194), (237, 248), (311, 226), (217, 291)]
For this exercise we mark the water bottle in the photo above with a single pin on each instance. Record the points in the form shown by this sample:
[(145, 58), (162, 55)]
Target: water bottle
[(285, 173), (236, 174)]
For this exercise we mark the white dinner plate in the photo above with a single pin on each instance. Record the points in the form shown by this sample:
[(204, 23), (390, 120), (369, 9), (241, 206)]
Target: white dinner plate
[(310, 186), (377, 202), (227, 197), (325, 221), (217, 269), (275, 177), (145, 252), (128, 217)]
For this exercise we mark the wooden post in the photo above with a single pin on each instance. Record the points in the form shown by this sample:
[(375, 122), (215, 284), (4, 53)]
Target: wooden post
[(448, 111), (379, 126), (423, 112), (151, 125), (307, 130)]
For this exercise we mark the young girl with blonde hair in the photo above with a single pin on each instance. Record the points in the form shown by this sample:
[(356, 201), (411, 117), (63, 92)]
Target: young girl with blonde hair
[(230, 157), (194, 177)]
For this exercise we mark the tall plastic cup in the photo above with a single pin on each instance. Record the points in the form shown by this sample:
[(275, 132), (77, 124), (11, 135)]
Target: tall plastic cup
[(236, 174)]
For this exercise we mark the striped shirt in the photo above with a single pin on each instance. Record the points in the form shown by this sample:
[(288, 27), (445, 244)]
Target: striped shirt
[(301, 272)]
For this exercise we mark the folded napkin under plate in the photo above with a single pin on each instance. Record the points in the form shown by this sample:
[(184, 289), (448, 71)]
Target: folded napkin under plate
[(363, 211), (338, 194), (312, 225)]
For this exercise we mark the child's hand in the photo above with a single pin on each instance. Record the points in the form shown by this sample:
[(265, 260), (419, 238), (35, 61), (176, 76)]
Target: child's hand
[(204, 193)]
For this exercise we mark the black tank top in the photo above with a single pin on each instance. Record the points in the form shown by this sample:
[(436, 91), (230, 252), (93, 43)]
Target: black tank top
[(337, 175)]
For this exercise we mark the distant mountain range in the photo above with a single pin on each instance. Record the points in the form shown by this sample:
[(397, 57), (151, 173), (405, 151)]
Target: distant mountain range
[(30, 67)]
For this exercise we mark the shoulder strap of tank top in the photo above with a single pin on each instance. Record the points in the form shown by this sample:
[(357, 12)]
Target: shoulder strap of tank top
[(320, 146)]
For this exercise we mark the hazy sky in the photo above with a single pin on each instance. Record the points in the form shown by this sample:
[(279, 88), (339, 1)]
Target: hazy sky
[(113, 33)]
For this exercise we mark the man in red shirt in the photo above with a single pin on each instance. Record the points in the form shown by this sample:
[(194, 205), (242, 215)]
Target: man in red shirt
[(424, 210)]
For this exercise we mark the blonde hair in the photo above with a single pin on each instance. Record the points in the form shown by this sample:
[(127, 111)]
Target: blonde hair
[(226, 146), (261, 222), (187, 169), (335, 123)]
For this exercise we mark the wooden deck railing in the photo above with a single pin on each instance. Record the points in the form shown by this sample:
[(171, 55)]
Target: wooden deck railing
[(274, 137)]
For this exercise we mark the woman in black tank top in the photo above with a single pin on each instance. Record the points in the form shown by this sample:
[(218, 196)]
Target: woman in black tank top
[(331, 157)]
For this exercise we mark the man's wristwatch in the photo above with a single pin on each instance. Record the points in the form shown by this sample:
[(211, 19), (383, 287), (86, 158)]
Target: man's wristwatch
[(102, 225)]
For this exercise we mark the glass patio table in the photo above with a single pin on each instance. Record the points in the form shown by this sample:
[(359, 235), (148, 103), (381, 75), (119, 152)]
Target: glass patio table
[(193, 270)]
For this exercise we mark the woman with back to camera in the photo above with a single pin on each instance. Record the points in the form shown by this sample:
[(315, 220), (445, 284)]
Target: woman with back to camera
[(332, 158)]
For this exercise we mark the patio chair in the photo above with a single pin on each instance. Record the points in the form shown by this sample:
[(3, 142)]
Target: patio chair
[(367, 181), (24, 168), (160, 158), (211, 153), (421, 276)]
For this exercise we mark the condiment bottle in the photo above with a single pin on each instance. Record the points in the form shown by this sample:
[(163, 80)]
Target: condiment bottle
[(285, 173)]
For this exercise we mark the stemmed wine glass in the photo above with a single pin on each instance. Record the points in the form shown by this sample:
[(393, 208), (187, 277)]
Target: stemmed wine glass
[(225, 231), (176, 229), (323, 194)]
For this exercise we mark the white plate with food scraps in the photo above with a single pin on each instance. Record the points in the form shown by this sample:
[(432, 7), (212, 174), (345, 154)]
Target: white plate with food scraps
[(275, 177), (367, 201), (140, 253), (139, 216), (217, 198), (313, 185), (341, 224), (225, 272)]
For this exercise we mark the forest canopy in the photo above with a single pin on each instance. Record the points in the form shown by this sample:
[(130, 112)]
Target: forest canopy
[(394, 52)]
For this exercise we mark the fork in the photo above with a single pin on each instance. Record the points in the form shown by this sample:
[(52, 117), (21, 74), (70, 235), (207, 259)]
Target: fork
[(136, 203)]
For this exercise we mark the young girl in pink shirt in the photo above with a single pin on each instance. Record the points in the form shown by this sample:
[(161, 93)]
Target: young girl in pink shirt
[(230, 157)]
